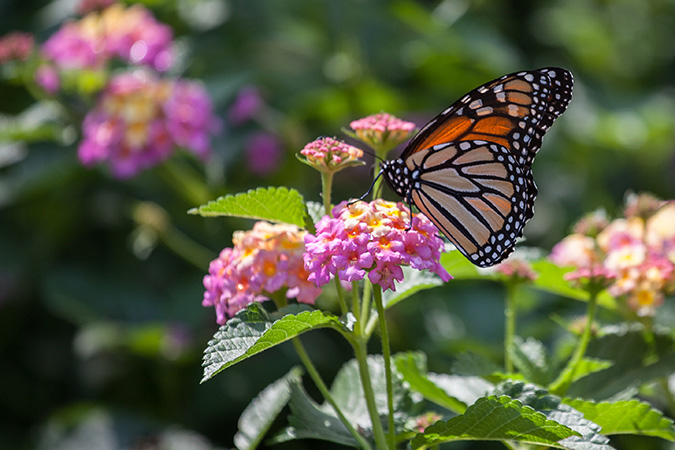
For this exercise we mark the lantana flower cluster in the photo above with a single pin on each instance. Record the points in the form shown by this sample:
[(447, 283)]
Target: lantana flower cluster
[(129, 33), (140, 119), (382, 130), (636, 253), (330, 155), (262, 261), (373, 239)]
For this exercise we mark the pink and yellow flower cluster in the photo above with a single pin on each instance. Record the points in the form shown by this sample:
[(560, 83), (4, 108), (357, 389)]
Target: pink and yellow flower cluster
[(262, 261), (140, 119), (330, 155), (636, 252), (374, 238), (131, 34)]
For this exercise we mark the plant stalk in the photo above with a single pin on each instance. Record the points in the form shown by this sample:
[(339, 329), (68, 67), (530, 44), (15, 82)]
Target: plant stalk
[(562, 383), (314, 374), (509, 324), (386, 353), (362, 359)]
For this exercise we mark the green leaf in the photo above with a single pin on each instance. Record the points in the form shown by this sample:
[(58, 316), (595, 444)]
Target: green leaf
[(281, 205), (588, 438), (495, 418), (626, 346), (551, 279), (458, 266), (413, 369), (308, 420), (626, 417), (588, 366), (261, 412), (253, 330), (414, 281), (531, 360)]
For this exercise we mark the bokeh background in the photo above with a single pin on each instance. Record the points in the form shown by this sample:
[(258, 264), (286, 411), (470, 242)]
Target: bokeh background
[(101, 323)]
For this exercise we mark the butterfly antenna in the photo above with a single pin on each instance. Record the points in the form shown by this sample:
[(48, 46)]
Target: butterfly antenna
[(370, 189)]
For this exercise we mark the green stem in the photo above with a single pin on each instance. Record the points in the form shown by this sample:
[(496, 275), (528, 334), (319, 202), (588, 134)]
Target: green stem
[(362, 360), (365, 308), (509, 324), (341, 296), (326, 188), (185, 181), (562, 383), (314, 374), (386, 354)]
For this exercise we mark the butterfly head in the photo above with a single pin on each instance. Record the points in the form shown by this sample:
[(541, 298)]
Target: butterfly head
[(399, 177)]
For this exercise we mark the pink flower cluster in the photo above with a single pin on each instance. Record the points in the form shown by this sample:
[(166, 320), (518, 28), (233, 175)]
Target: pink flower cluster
[(382, 129), (132, 34), (329, 155), (373, 238), (517, 269), (16, 46), (636, 253), (262, 261), (139, 120)]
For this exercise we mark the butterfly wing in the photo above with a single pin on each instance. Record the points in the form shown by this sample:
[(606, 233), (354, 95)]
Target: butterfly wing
[(514, 111), (482, 210), (471, 165)]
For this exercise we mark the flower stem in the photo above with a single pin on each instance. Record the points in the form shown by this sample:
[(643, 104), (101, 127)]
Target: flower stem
[(326, 189), (562, 383), (362, 359), (509, 324), (386, 353), (314, 374)]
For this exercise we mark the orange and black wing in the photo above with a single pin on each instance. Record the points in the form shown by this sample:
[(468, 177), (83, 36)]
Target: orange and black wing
[(514, 111), (469, 169)]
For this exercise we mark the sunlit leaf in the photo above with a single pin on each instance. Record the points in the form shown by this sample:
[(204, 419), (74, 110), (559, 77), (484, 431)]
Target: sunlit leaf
[(273, 204), (414, 281), (253, 330), (495, 418), (626, 417)]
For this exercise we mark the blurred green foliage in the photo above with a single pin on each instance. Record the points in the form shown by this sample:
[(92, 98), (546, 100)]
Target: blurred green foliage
[(101, 327)]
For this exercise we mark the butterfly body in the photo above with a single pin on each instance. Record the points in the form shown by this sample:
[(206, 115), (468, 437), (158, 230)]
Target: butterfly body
[(469, 169)]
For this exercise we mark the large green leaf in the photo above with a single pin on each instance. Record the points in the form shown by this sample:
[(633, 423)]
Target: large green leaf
[(261, 412), (413, 369), (253, 330), (495, 418), (588, 438), (273, 204), (626, 417), (309, 420)]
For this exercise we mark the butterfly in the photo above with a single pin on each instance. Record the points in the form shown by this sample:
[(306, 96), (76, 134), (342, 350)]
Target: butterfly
[(469, 170)]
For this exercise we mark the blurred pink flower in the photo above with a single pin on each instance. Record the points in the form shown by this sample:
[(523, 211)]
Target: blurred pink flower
[(246, 105), (636, 253), (382, 130), (132, 34), (139, 120), (517, 269), (374, 238), (16, 46), (47, 77), (263, 153), (262, 261)]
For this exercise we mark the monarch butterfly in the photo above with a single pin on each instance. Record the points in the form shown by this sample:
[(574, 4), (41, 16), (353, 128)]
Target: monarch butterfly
[(469, 169)]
